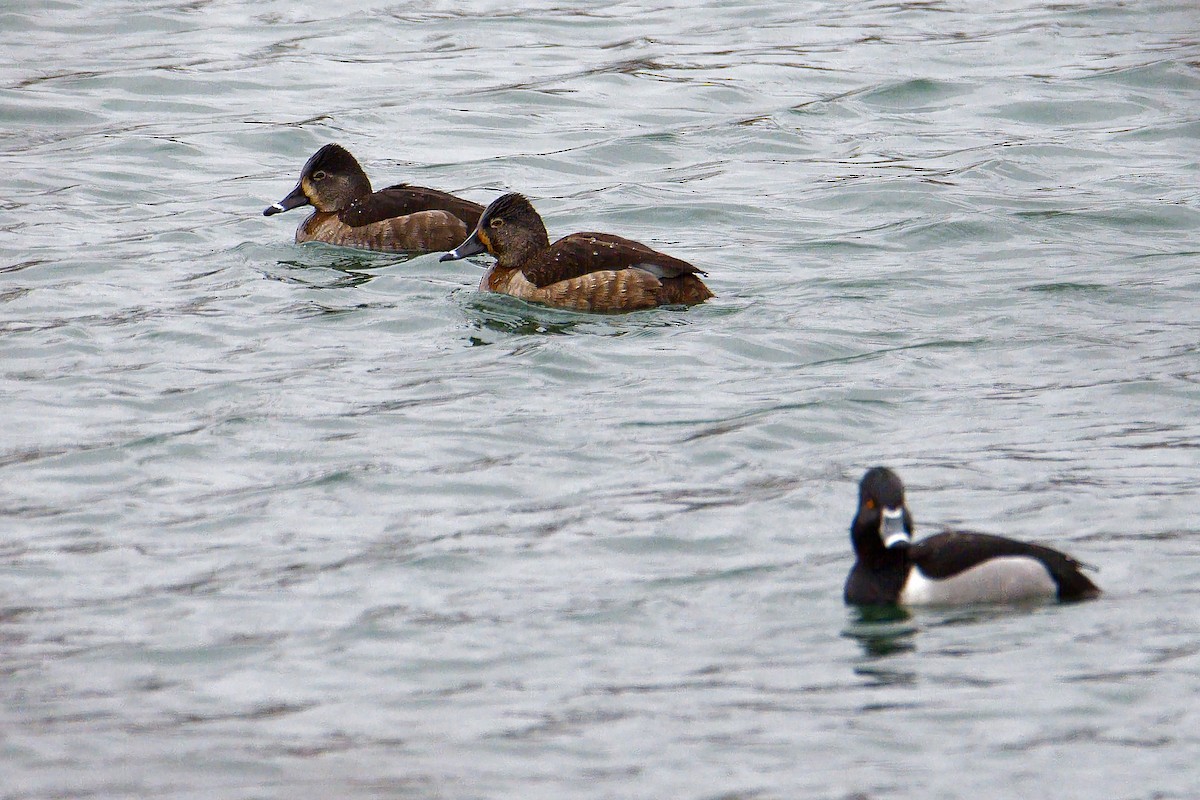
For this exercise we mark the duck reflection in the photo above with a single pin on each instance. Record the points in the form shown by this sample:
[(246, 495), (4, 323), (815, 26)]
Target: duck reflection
[(343, 273), (504, 314), (883, 631)]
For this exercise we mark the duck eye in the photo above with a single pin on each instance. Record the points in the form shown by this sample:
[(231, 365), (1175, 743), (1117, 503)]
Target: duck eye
[(496, 223), (869, 504), (319, 175)]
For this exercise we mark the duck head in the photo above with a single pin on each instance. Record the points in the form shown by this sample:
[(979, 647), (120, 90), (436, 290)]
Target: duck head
[(883, 523), (330, 181), (509, 229)]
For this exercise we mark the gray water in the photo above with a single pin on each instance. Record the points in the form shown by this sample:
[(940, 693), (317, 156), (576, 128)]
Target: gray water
[(283, 522)]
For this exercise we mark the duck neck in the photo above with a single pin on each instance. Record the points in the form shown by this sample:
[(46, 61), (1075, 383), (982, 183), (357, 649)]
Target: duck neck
[(496, 279), (353, 186), (525, 247), (869, 549)]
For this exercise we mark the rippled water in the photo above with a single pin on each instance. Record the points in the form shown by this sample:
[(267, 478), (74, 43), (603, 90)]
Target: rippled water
[(282, 521)]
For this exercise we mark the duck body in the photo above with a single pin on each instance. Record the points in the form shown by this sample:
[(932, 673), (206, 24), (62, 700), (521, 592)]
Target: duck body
[(399, 218), (949, 568), (582, 271), (348, 213)]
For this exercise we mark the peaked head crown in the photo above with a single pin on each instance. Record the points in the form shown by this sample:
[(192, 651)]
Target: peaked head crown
[(512, 230), (509, 209), (331, 180), (882, 526), (331, 158), (880, 487)]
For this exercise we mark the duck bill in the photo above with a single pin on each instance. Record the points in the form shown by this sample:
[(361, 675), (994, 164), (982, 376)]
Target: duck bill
[(473, 246), (295, 199), (893, 531)]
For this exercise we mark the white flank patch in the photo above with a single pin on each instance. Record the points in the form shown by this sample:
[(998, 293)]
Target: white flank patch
[(1007, 579)]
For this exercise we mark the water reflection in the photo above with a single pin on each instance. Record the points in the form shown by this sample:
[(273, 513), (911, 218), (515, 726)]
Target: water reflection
[(511, 321), (347, 273), (882, 630), (508, 315)]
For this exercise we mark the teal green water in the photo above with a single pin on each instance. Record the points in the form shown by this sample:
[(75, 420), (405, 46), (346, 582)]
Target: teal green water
[(282, 521)]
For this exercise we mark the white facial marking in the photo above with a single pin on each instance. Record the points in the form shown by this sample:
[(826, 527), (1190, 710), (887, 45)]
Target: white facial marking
[(894, 516), (278, 206)]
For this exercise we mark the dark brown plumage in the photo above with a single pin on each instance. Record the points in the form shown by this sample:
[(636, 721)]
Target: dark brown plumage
[(400, 218), (949, 568), (581, 271)]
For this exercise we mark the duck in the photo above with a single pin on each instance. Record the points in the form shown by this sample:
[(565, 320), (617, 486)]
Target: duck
[(346, 212), (950, 568), (581, 271)]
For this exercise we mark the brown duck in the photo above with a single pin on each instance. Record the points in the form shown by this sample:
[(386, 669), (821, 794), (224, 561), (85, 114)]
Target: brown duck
[(582, 271), (400, 218)]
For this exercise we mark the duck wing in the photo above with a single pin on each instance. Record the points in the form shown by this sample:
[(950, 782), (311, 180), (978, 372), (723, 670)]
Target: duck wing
[(401, 200), (946, 554), (580, 254)]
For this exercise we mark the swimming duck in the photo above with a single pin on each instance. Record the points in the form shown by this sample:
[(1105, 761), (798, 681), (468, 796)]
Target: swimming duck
[(951, 568), (581, 271), (400, 218)]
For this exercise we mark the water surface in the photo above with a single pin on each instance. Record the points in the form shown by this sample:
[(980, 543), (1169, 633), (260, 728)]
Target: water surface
[(282, 521)]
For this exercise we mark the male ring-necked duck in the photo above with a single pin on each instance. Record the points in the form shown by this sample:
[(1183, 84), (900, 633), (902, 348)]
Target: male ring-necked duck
[(951, 568), (400, 218), (582, 271)]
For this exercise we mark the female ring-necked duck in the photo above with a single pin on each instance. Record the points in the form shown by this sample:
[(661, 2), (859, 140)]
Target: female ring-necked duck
[(400, 218), (951, 568), (581, 271)]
